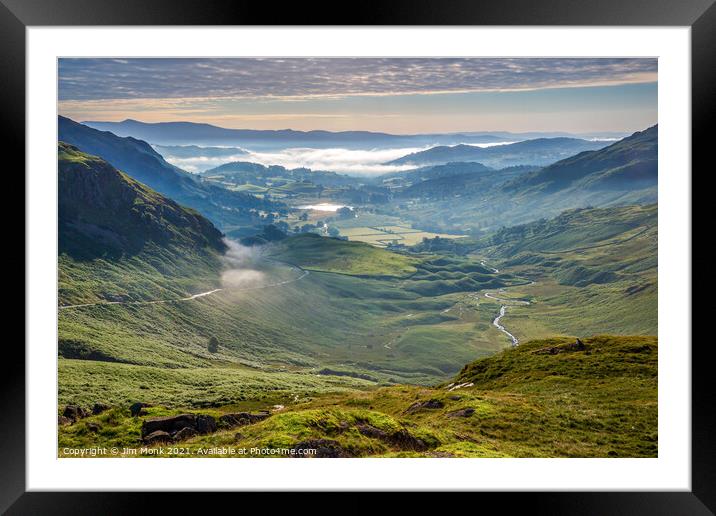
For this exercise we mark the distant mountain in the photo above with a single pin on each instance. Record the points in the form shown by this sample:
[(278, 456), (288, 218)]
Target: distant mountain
[(629, 164), (452, 180), (434, 172), (189, 133), (191, 151), (619, 174), (140, 161), (541, 151), (107, 208)]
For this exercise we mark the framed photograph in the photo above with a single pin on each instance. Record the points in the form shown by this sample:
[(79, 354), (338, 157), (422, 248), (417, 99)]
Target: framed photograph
[(424, 248)]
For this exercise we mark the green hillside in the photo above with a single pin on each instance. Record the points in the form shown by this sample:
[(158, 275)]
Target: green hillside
[(630, 163), (523, 402), (313, 252), (120, 240), (620, 174), (225, 208)]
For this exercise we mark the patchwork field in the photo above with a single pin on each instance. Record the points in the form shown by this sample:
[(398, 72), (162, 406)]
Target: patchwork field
[(381, 236)]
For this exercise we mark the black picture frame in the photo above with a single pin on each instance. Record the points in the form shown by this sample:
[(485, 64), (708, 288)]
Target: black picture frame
[(700, 15)]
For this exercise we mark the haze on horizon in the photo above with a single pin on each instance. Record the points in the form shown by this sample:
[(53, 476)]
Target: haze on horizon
[(393, 95)]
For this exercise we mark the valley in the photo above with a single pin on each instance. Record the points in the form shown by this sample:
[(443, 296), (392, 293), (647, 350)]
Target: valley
[(333, 304)]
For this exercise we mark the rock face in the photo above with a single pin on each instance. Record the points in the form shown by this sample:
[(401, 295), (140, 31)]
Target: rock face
[(429, 404), (324, 449)]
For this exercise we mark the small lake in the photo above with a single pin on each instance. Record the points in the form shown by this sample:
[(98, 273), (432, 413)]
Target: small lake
[(324, 207)]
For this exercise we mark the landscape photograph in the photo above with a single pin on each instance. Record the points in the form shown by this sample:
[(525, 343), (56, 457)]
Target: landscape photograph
[(357, 257)]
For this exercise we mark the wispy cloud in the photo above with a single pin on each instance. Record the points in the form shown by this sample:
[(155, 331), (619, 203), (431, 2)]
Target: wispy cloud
[(306, 78)]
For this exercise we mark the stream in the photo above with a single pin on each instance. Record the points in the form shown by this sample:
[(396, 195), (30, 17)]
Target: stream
[(503, 311)]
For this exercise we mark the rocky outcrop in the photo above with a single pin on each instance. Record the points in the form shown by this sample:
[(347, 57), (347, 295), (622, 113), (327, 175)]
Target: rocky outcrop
[(466, 412), (429, 404), (179, 427), (74, 412), (169, 424), (320, 449), (400, 438), (98, 408), (137, 409), (185, 433), (157, 437), (205, 424), (577, 345)]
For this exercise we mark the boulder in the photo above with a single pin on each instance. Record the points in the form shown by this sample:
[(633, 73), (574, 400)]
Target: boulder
[(157, 437), (64, 420), (93, 427), (579, 345), (169, 424), (205, 424), (324, 449), (98, 408), (431, 404), (185, 433), (74, 412), (136, 409)]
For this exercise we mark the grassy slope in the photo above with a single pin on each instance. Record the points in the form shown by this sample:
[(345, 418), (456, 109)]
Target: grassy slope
[(120, 240), (313, 252), (138, 159), (525, 403), (620, 174), (378, 326), (594, 270)]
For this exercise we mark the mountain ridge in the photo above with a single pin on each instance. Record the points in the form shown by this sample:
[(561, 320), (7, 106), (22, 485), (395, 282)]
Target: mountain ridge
[(99, 203), (140, 161), (633, 159), (539, 151)]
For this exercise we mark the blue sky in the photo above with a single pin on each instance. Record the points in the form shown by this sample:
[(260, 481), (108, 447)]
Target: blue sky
[(397, 95)]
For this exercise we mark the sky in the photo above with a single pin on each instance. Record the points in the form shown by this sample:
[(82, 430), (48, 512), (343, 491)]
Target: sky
[(394, 95)]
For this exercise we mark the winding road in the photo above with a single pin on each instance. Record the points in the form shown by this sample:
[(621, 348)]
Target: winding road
[(303, 274)]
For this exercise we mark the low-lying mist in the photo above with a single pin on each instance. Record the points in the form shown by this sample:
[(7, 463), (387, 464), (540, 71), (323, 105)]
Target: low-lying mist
[(241, 266), (344, 161)]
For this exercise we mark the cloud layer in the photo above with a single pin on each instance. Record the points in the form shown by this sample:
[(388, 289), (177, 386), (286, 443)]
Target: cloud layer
[(83, 79)]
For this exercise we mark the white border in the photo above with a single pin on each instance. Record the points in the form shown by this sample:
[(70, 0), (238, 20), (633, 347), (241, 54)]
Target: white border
[(670, 471)]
